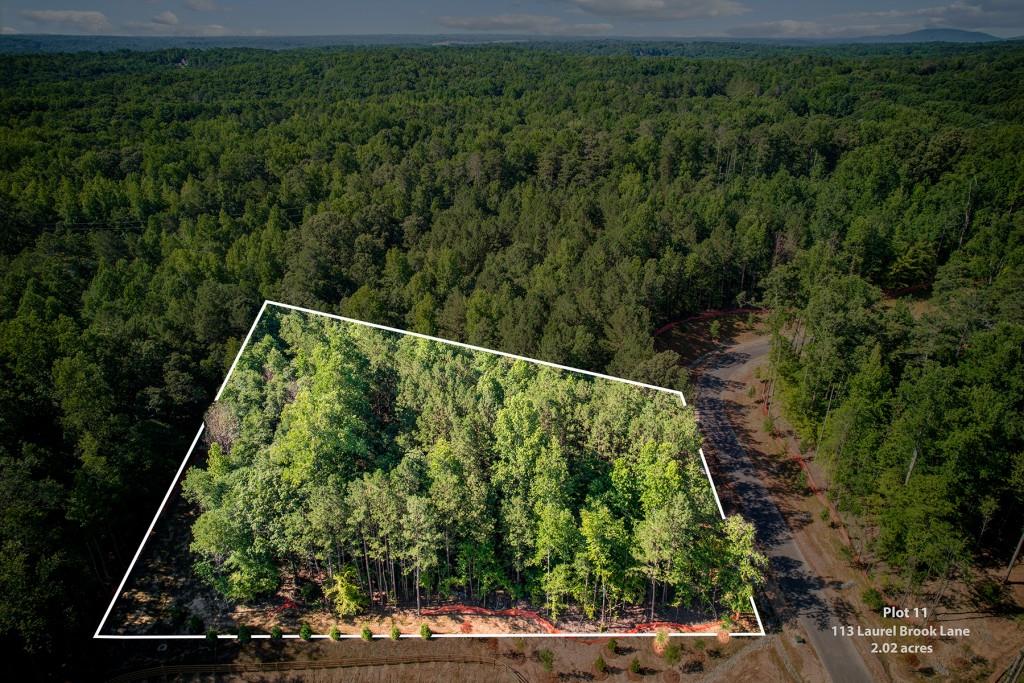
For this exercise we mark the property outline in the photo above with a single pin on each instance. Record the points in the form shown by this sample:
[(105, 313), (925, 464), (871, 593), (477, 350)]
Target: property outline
[(535, 361)]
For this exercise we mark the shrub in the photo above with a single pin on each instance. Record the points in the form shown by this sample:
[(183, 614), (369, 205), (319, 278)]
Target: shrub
[(244, 634), (547, 659), (873, 599), (599, 665), (634, 666), (366, 634), (195, 624), (178, 614), (425, 632), (211, 634), (275, 633), (305, 632), (613, 646), (248, 577), (396, 633), (993, 595), (335, 633), (345, 594), (673, 653), (661, 639), (310, 591)]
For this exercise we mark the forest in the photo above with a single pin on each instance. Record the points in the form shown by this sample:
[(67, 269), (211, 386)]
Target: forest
[(556, 203), (403, 468)]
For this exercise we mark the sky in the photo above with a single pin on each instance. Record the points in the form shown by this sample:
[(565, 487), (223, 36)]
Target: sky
[(648, 18)]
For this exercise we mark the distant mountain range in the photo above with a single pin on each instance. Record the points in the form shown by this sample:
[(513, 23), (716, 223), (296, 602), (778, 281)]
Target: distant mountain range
[(36, 43), (927, 35)]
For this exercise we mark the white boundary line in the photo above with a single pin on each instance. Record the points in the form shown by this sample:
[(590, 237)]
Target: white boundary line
[(495, 352), (170, 489), (290, 636), (245, 342)]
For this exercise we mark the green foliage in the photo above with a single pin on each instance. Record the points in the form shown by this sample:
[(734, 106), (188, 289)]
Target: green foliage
[(547, 659), (195, 624), (873, 599), (403, 186), (276, 633), (916, 417), (396, 633), (744, 567), (673, 654), (305, 632), (425, 632), (310, 591), (244, 634), (599, 665), (366, 634), (634, 665), (661, 639), (211, 634), (345, 594), (335, 633), (594, 484), (613, 646)]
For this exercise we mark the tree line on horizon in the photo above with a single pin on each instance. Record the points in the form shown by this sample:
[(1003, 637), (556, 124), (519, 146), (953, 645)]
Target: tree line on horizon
[(552, 204)]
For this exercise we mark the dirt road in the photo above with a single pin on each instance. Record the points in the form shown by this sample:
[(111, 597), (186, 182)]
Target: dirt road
[(803, 593)]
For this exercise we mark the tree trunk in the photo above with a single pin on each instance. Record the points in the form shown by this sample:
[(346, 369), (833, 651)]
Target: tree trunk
[(604, 598), (1013, 560), (417, 589), (369, 576), (654, 590), (913, 461)]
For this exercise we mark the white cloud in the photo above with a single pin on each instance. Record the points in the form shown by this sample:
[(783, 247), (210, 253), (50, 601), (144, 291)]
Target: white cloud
[(960, 14), (662, 9), (791, 28), (167, 24), (523, 23), (997, 16), (66, 19), (8, 31), (202, 5), (164, 28), (166, 18)]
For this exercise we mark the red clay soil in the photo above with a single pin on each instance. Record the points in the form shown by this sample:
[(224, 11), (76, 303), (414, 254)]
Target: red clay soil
[(706, 627), (707, 315), (471, 609), (646, 627)]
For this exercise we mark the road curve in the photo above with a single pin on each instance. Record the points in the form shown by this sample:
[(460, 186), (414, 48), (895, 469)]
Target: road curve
[(802, 591)]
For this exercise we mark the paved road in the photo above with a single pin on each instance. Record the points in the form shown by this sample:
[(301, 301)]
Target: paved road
[(803, 592)]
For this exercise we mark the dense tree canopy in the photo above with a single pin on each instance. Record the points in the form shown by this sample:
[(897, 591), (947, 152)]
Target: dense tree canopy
[(400, 463), (558, 203)]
